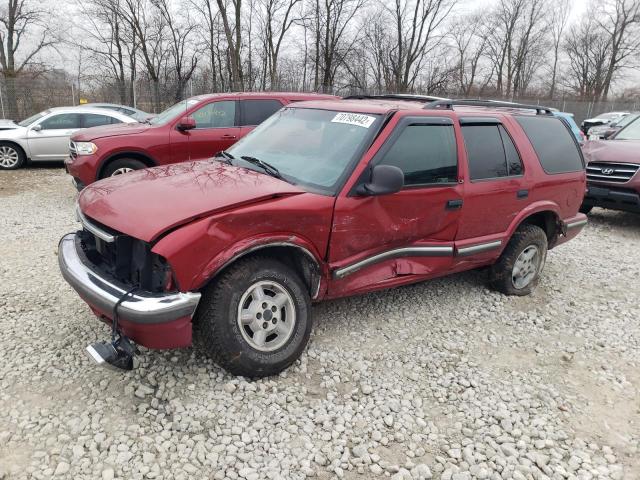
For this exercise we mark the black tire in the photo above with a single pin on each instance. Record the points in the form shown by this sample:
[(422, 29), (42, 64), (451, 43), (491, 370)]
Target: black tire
[(501, 273), (218, 325), (12, 151), (121, 163), (586, 209)]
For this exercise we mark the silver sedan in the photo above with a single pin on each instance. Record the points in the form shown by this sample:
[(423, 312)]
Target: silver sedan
[(45, 135)]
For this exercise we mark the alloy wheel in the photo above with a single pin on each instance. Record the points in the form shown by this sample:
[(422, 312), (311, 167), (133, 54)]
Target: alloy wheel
[(9, 157), (526, 267)]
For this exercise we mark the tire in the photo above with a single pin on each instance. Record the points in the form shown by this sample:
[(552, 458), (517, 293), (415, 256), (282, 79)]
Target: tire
[(11, 156), (120, 166), (528, 241), (586, 209), (235, 347)]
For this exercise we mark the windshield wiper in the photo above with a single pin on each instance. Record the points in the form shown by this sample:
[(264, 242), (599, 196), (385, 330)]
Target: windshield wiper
[(226, 156), (267, 167)]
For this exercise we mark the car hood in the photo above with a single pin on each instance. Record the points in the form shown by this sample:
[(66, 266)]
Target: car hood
[(616, 151), (8, 125), (93, 133), (146, 203)]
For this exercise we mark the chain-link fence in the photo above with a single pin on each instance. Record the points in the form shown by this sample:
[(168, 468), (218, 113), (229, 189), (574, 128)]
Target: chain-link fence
[(24, 96)]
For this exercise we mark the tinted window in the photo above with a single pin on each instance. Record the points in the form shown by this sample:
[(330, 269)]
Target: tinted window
[(216, 115), (553, 143), (93, 120), (425, 153), (514, 164), (254, 112), (61, 121), (485, 151)]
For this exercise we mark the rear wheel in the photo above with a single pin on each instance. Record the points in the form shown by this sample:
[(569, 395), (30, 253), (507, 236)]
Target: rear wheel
[(122, 166), (518, 269), (11, 157), (255, 320)]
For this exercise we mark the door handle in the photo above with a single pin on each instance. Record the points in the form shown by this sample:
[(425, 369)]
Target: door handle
[(229, 136), (454, 204), (522, 193)]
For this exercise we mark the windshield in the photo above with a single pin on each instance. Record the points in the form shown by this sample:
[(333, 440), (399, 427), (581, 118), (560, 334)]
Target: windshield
[(610, 116), (630, 132), (172, 112), (624, 121), (313, 148), (28, 121)]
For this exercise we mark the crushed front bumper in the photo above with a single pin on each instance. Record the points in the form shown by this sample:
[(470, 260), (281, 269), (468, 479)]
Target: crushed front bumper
[(156, 320)]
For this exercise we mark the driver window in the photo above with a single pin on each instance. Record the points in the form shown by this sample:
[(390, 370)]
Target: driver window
[(216, 115), (61, 122), (426, 154)]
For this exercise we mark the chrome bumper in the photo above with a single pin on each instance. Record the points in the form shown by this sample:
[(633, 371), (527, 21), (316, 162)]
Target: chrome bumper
[(103, 294)]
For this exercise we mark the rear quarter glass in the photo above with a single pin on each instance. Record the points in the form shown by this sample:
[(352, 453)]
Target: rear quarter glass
[(553, 143)]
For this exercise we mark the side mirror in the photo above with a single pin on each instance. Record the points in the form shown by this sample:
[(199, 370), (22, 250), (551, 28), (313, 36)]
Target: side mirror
[(36, 128), (385, 179), (186, 123)]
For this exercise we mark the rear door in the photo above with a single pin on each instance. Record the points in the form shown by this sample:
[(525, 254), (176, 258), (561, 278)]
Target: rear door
[(497, 190), (255, 111), (216, 130), (51, 142), (391, 239)]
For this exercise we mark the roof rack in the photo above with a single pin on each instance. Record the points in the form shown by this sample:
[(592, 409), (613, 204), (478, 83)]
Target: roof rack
[(449, 104), (397, 96)]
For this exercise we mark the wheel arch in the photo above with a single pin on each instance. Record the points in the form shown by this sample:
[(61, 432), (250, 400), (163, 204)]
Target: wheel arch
[(297, 256), (144, 158), (546, 216)]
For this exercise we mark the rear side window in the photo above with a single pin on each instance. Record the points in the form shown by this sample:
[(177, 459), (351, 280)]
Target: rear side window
[(61, 121), (93, 120), (426, 154), (553, 143), (254, 112), (491, 152)]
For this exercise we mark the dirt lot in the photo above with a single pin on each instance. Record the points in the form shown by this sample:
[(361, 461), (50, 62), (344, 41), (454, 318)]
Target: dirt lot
[(443, 380)]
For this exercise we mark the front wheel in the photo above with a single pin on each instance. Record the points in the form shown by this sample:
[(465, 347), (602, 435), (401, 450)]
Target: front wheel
[(517, 271), (11, 157), (122, 166), (255, 320)]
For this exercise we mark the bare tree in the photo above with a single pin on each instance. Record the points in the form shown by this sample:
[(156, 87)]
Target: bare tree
[(231, 20), (470, 35), (558, 23), (24, 34)]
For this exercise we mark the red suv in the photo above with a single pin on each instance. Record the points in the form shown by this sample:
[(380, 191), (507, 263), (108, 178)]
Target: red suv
[(193, 129), (323, 200)]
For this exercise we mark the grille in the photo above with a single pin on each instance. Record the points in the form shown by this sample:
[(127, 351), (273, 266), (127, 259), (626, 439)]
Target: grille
[(611, 172)]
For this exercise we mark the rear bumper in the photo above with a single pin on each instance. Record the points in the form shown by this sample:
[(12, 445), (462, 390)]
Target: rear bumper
[(142, 315), (571, 227), (614, 198)]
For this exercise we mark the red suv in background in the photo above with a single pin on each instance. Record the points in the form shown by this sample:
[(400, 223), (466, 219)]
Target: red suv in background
[(193, 129)]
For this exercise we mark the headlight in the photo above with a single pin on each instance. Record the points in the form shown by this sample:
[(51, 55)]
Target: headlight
[(85, 148)]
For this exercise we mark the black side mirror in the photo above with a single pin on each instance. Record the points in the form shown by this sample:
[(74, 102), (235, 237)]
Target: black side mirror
[(385, 179)]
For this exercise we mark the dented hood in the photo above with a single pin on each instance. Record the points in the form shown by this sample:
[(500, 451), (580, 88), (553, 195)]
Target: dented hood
[(146, 203)]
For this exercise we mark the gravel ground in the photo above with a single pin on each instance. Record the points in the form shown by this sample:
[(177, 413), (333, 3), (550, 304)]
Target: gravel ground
[(444, 380)]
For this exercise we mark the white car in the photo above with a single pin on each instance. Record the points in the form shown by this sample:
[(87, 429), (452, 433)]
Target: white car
[(45, 135), (602, 119)]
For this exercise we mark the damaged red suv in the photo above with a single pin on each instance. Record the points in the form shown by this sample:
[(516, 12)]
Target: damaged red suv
[(193, 129), (323, 200)]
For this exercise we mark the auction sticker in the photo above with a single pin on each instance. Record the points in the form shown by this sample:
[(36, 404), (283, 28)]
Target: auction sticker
[(354, 119)]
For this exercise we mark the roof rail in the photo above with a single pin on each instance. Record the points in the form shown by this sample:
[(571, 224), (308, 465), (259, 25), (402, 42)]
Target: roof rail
[(449, 104), (396, 96)]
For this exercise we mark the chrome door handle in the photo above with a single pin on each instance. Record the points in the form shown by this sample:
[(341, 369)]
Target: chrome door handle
[(229, 136)]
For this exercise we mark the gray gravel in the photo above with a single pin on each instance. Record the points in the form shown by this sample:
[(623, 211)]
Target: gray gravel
[(442, 380)]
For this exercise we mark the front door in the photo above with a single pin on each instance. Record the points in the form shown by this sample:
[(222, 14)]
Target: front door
[(391, 239), (215, 130), (49, 138)]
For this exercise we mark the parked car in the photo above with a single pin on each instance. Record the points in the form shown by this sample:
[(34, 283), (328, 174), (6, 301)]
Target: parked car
[(613, 181), (193, 129), (134, 113), (602, 119), (325, 199), (45, 135), (571, 123), (606, 131)]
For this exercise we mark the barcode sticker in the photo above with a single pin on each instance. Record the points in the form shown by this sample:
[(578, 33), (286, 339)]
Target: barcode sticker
[(357, 119)]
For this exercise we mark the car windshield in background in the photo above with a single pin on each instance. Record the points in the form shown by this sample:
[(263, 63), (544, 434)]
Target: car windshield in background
[(28, 121), (172, 112), (312, 148), (630, 132), (624, 121)]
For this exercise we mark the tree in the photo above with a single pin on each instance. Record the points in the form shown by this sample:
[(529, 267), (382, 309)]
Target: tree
[(558, 23), (470, 35), (231, 21), (24, 34)]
